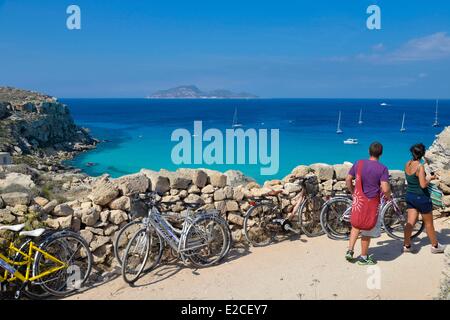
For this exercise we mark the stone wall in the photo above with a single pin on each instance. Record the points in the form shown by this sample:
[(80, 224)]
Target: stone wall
[(107, 204)]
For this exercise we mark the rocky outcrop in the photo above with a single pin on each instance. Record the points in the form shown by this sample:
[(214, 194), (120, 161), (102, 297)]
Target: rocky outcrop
[(438, 155), (39, 125)]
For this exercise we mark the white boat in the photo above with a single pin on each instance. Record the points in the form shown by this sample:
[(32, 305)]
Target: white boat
[(351, 141), (236, 124), (360, 117), (339, 130), (436, 121), (403, 129), (383, 104)]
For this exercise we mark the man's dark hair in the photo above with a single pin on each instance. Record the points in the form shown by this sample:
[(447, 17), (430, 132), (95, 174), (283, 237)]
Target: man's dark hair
[(417, 151), (376, 149)]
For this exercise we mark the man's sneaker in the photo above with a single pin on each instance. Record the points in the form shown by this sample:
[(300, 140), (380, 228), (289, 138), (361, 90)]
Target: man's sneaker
[(439, 249), (349, 256), (407, 249), (366, 261)]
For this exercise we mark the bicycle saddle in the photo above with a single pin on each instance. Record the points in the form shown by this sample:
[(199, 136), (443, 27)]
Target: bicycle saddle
[(15, 228), (33, 233)]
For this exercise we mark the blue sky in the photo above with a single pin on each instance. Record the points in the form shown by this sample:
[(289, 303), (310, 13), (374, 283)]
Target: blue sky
[(271, 48)]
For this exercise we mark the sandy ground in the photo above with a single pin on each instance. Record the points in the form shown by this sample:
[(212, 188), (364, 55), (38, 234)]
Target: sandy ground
[(305, 268)]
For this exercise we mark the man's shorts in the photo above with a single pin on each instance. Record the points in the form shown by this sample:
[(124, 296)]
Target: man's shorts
[(375, 232)]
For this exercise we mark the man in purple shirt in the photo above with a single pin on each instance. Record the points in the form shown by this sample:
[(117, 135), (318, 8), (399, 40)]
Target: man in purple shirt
[(375, 178)]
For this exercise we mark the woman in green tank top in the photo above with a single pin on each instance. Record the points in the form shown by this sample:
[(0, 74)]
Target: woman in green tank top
[(418, 199)]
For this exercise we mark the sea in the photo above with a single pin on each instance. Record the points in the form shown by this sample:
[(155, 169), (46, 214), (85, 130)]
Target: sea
[(136, 133)]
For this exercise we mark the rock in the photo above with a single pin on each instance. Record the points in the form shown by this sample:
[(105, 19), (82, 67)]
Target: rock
[(444, 188), (98, 241), (219, 194), (237, 236), (236, 178), (221, 206), (104, 193), (232, 205), (122, 203), (117, 216), (438, 155), (2, 204), (236, 219), (180, 183), (133, 184), (193, 189), (292, 187), (41, 201), (6, 217), (193, 198), (14, 198), (86, 205), (238, 194), (65, 222), (104, 216), (200, 178), (397, 175), (76, 224), (101, 254), (217, 179), (341, 171), (89, 216), (158, 183), (228, 192), (19, 210), (87, 235), (444, 177), (183, 193), (301, 171), (328, 185), (446, 201), (52, 223), (340, 186), (323, 171), (13, 182), (97, 231), (62, 210), (49, 207), (109, 230), (208, 189), (169, 199)]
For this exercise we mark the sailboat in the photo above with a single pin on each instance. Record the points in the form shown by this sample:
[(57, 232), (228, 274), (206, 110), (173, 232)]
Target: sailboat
[(339, 130), (436, 122), (403, 129), (236, 124), (360, 117)]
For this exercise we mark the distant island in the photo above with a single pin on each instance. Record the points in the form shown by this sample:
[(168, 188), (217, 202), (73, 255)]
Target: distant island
[(192, 92)]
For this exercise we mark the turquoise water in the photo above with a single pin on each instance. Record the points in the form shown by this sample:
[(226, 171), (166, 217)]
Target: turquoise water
[(138, 131)]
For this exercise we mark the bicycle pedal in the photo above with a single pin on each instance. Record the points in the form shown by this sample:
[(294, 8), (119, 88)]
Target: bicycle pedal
[(17, 295)]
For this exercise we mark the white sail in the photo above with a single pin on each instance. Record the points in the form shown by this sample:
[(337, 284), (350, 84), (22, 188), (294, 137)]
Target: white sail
[(339, 130), (436, 121), (235, 120), (402, 129), (360, 117)]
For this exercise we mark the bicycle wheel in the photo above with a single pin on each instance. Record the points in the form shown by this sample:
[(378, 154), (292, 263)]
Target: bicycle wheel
[(123, 237), (73, 251), (309, 216), (395, 218), (334, 218), (259, 228), (33, 290), (207, 241), (143, 252)]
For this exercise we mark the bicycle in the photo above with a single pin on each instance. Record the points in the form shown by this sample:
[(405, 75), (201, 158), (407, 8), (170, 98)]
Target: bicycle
[(336, 215), (57, 263), (203, 240), (265, 218), (124, 235)]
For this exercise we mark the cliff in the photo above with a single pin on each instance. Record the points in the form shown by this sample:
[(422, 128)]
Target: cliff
[(38, 125)]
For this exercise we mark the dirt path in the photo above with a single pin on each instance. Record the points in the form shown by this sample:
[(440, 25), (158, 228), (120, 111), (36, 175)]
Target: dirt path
[(310, 268)]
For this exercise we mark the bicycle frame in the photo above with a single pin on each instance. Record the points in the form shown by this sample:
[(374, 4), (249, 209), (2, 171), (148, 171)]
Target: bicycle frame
[(9, 264)]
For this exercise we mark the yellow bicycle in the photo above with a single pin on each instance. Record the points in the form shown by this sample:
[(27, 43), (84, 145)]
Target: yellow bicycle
[(57, 263)]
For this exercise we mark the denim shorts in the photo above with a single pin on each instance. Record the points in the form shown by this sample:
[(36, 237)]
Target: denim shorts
[(375, 232), (421, 203)]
